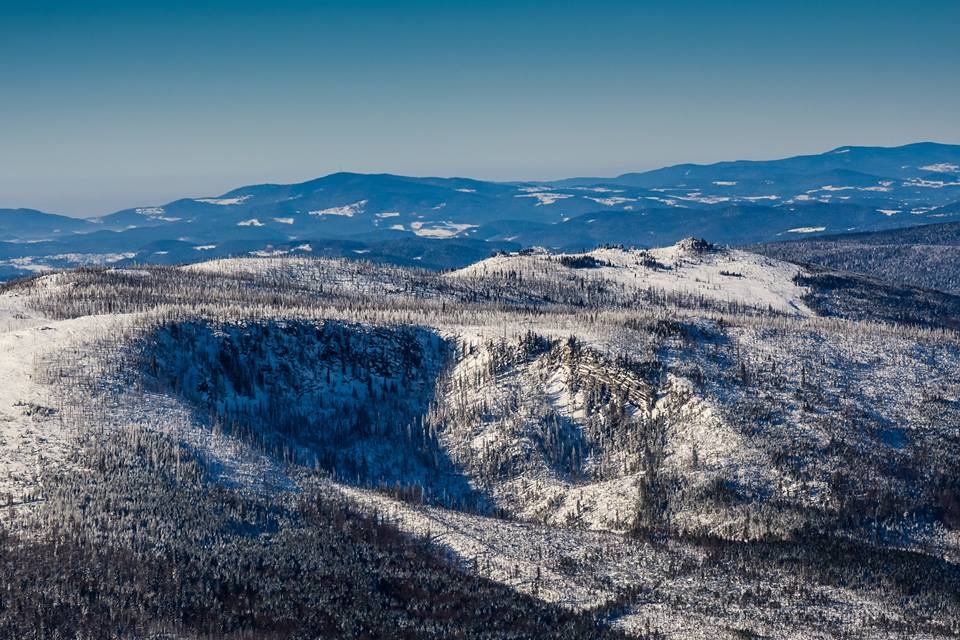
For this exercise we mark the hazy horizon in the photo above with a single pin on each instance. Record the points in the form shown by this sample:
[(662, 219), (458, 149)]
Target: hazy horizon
[(110, 105)]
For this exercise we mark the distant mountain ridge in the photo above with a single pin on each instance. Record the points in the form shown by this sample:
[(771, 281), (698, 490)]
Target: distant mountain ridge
[(398, 219), (925, 256), (29, 224), (876, 161)]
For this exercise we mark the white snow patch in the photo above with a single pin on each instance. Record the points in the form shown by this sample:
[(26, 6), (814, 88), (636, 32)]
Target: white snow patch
[(544, 198), (930, 184), (155, 213), (347, 210), (941, 167), (598, 189), (225, 202), (696, 196), (93, 258), (611, 201), (439, 229), (667, 201), (269, 253)]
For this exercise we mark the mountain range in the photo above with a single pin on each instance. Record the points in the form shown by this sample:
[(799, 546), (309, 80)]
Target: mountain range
[(400, 219)]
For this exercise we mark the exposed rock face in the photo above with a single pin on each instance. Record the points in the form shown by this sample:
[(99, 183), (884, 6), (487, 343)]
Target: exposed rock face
[(696, 246)]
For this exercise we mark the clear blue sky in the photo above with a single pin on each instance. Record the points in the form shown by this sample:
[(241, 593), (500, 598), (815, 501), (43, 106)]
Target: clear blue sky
[(105, 105)]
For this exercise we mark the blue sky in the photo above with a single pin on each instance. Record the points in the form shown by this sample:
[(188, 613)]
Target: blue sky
[(105, 105)]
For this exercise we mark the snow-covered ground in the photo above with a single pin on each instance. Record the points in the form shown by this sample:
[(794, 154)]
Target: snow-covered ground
[(678, 584), (564, 419), (225, 202), (347, 210), (724, 275), (33, 435)]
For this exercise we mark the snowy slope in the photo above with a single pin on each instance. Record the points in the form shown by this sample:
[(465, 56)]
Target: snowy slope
[(688, 269), (643, 432), (33, 433)]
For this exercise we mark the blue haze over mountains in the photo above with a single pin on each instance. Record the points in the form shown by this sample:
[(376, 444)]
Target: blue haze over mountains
[(449, 222)]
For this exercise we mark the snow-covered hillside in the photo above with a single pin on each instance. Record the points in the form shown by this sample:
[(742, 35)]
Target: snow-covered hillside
[(675, 441), (33, 434), (691, 268)]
